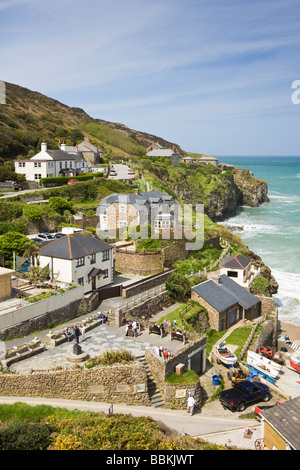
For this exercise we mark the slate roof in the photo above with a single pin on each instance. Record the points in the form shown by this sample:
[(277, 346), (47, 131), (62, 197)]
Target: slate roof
[(285, 419), (61, 155), (237, 262), (226, 294), (137, 200), (73, 246)]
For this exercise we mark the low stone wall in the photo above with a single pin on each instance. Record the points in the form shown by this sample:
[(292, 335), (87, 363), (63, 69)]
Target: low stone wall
[(114, 384)]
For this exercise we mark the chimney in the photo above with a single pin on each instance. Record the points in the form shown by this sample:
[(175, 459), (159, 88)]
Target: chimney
[(44, 146), (63, 147)]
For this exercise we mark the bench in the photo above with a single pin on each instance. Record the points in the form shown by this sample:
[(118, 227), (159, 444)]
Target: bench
[(156, 329), (180, 335)]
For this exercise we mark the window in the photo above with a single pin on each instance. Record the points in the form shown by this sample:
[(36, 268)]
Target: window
[(37, 176), (105, 255), (37, 165), (60, 165), (80, 281), (21, 164), (122, 209), (79, 262), (50, 164), (93, 258), (105, 275)]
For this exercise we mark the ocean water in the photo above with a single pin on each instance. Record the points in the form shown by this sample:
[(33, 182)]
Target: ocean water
[(272, 230)]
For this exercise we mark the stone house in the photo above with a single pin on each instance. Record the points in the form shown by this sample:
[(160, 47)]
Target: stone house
[(226, 302), (81, 259), (154, 208), (86, 150), (240, 269)]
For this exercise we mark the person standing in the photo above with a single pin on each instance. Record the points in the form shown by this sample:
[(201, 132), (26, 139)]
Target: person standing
[(83, 332), (77, 334), (191, 405)]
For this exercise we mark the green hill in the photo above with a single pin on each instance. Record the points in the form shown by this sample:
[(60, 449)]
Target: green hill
[(28, 117)]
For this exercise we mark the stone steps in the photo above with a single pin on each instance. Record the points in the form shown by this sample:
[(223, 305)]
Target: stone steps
[(155, 396)]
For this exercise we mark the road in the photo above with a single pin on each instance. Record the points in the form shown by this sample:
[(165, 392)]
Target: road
[(122, 172), (178, 420)]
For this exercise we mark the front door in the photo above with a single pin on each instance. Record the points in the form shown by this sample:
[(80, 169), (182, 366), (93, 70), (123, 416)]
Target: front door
[(94, 283)]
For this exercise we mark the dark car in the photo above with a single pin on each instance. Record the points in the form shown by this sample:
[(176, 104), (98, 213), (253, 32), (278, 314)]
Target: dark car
[(59, 235), (46, 236), (244, 393)]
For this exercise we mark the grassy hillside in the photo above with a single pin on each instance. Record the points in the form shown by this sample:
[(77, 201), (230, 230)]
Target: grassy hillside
[(28, 117)]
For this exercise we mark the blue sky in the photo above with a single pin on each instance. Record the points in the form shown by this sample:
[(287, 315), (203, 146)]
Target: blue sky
[(213, 76)]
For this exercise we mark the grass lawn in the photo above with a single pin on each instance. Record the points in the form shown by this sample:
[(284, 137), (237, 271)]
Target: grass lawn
[(238, 337)]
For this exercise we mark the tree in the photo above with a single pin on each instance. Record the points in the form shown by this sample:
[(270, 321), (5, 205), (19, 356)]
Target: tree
[(59, 204), (178, 287), (13, 242)]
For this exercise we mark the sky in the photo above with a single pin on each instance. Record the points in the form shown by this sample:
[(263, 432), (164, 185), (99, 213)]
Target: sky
[(213, 76)]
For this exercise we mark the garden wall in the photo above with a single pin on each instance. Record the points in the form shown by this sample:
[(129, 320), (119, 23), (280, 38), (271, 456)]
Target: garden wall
[(114, 384)]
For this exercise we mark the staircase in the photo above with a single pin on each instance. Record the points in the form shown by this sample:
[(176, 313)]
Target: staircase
[(155, 396)]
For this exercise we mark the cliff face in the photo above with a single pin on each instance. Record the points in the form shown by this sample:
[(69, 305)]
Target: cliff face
[(253, 191)]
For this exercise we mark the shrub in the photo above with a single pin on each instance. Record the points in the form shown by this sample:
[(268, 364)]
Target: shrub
[(110, 357), (178, 287), (25, 436)]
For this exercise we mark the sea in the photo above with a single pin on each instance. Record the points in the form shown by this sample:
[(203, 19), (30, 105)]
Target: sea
[(272, 230)]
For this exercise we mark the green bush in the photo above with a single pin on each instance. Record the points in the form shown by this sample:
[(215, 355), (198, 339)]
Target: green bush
[(25, 436), (178, 287)]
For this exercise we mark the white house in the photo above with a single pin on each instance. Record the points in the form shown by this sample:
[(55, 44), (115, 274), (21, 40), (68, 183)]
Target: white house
[(239, 269), (81, 259), (50, 163)]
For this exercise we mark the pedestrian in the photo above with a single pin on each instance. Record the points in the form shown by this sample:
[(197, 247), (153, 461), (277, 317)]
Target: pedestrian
[(83, 332), (77, 334), (191, 404), (134, 328)]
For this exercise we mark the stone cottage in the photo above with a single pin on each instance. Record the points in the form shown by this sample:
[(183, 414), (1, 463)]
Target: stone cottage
[(226, 302)]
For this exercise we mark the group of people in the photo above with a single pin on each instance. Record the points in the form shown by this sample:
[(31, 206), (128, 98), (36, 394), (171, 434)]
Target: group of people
[(102, 317), (132, 328), (75, 333), (164, 352)]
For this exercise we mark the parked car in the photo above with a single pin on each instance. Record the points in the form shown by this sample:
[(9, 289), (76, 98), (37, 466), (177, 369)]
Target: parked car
[(59, 235), (46, 236), (73, 181), (130, 171), (244, 393), (113, 173)]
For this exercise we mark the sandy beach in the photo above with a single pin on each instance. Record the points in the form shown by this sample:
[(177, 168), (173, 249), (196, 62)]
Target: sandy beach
[(292, 331)]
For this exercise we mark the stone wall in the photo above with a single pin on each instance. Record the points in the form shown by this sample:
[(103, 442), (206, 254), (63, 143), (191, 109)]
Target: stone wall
[(138, 262), (114, 384), (175, 394)]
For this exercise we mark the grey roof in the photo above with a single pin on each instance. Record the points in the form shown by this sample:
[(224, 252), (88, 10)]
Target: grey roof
[(74, 245), (61, 155), (225, 294), (139, 200), (237, 262), (285, 419)]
